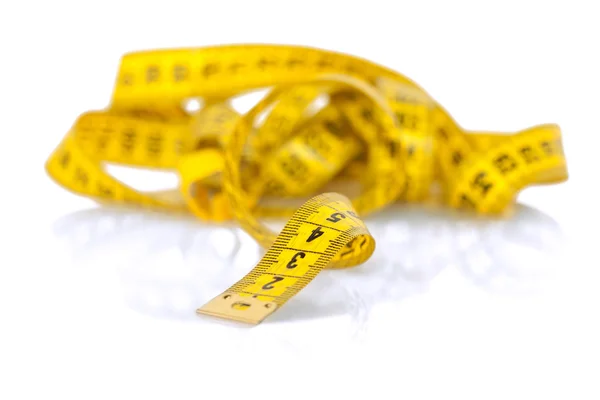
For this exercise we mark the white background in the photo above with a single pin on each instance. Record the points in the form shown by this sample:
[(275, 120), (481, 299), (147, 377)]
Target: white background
[(99, 303)]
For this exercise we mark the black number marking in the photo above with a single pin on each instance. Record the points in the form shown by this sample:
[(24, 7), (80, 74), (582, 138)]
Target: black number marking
[(457, 158), (505, 163), (316, 233), (292, 264), (393, 149), (350, 69), (210, 69), (65, 160), (108, 129), (350, 246), (408, 121), (102, 142), (528, 154), (443, 133), (180, 73), (235, 67), (481, 183), (152, 74), (294, 62), (325, 63), (295, 168), (336, 217), (367, 114), (128, 140), (154, 144), (547, 147), (81, 176), (103, 190), (264, 63), (127, 79), (269, 286), (84, 134), (315, 141), (333, 127), (274, 187)]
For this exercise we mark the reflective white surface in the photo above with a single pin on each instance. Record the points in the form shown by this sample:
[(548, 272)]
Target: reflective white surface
[(115, 292), (167, 265)]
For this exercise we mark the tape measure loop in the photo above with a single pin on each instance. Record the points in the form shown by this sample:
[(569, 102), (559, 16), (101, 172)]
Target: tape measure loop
[(329, 120)]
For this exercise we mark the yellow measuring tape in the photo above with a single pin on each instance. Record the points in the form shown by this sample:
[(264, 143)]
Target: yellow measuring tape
[(330, 123)]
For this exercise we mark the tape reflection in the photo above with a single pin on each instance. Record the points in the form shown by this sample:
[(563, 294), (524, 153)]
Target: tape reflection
[(169, 264)]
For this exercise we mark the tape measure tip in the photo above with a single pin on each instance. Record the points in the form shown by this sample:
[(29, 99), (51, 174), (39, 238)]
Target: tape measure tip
[(232, 306)]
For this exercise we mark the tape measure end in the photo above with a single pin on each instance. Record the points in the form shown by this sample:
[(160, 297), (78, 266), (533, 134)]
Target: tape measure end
[(232, 306)]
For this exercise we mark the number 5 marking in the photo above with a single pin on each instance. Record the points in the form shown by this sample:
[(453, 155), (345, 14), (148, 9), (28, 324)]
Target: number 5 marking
[(335, 217)]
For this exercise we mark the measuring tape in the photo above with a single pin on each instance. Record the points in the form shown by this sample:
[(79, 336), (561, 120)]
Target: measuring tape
[(347, 134)]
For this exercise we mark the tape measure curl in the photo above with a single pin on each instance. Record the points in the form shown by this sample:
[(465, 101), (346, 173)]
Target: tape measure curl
[(377, 129)]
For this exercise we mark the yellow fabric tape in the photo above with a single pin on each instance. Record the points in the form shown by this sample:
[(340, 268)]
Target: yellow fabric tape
[(328, 119)]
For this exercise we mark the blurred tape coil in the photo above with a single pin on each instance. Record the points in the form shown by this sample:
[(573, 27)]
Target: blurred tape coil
[(328, 120)]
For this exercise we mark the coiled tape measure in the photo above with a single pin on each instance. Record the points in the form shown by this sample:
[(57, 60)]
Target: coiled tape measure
[(375, 130)]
